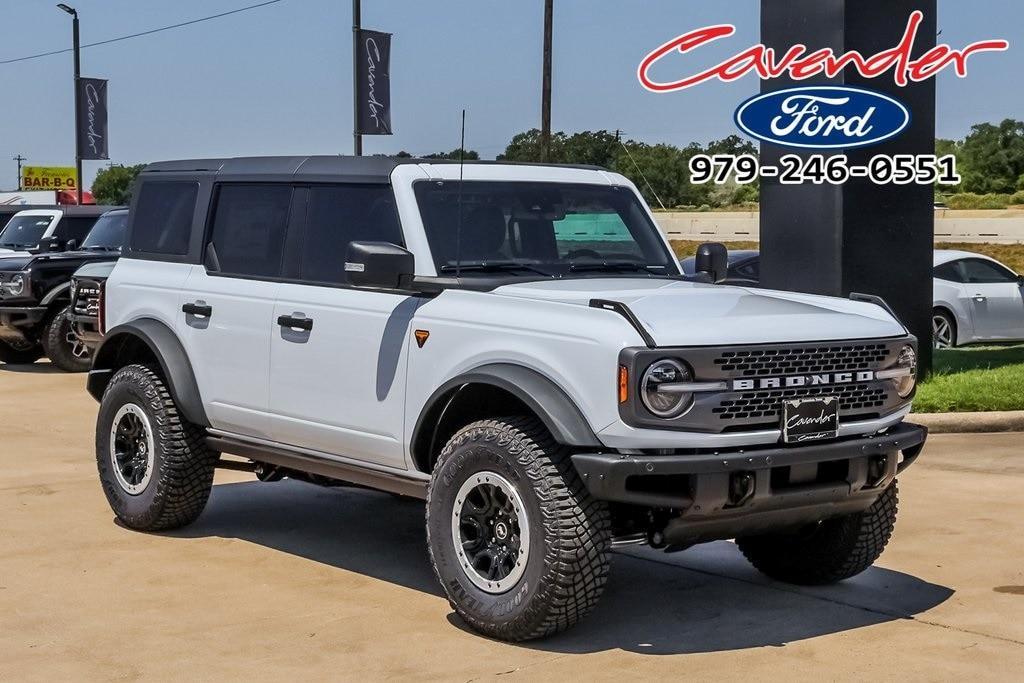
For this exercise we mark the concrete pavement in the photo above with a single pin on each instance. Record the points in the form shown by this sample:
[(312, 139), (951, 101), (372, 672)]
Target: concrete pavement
[(288, 580)]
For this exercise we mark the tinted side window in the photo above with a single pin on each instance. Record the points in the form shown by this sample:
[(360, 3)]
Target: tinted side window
[(74, 228), (340, 214), (163, 217), (750, 270), (949, 272), (249, 224), (978, 271)]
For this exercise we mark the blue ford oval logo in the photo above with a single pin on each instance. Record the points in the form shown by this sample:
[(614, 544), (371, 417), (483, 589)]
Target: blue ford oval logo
[(822, 117)]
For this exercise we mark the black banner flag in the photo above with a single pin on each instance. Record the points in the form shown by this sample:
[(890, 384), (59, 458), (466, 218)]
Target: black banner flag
[(373, 83), (92, 118)]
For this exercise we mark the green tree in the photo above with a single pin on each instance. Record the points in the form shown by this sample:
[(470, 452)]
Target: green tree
[(733, 144), (470, 155), (113, 185), (526, 147), (992, 157)]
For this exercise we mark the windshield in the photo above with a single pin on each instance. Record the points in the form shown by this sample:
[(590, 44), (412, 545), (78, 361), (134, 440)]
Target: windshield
[(108, 232), (23, 232), (540, 228)]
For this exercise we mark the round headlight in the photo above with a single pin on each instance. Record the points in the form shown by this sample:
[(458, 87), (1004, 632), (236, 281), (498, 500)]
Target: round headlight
[(16, 285), (907, 359), (657, 392)]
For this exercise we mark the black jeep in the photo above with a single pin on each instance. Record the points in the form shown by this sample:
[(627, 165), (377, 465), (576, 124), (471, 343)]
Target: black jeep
[(35, 297)]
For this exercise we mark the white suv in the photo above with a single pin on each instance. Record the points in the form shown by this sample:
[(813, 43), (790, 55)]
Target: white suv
[(516, 345)]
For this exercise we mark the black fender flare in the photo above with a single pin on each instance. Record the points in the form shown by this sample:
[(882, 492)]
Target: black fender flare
[(541, 395), (165, 346)]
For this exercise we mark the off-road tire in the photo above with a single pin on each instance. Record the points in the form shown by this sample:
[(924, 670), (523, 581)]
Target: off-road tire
[(58, 349), (13, 356), (835, 550), (570, 537), (183, 465)]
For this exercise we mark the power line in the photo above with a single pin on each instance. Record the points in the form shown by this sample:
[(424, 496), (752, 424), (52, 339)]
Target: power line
[(647, 182), (143, 33)]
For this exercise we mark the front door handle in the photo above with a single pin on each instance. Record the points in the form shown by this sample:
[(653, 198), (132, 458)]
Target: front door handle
[(294, 323), (980, 298), (198, 309)]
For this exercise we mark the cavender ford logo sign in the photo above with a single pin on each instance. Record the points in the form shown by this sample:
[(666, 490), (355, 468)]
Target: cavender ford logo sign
[(822, 117), (799, 63)]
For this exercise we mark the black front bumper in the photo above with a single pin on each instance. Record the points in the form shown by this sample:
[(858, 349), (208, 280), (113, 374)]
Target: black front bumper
[(788, 485), (16, 322)]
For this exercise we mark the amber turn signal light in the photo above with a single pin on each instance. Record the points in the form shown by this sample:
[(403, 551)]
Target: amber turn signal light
[(623, 384)]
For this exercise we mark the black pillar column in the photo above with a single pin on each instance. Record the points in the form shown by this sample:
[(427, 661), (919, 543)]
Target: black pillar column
[(857, 237)]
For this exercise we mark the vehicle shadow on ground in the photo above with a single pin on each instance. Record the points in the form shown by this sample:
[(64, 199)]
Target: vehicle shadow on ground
[(707, 599), (32, 368)]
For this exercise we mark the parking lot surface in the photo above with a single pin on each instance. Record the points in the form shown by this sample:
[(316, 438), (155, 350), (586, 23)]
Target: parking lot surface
[(289, 580)]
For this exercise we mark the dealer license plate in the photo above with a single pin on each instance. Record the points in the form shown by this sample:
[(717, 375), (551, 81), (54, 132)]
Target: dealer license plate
[(810, 419)]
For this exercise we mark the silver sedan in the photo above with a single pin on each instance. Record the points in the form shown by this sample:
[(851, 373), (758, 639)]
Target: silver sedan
[(976, 299)]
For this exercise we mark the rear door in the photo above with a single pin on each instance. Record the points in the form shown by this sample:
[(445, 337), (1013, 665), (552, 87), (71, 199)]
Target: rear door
[(996, 298), (338, 355), (228, 304)]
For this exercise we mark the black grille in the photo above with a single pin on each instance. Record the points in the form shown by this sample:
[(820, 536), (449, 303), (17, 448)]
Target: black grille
[(801, 360), (767, 404)]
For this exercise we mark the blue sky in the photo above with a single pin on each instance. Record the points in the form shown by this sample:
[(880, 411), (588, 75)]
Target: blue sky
[(276, 80)]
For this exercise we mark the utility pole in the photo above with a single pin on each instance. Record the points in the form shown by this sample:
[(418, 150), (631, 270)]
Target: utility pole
[(19, 159), (545, 106), (78, 73), (357, 139)]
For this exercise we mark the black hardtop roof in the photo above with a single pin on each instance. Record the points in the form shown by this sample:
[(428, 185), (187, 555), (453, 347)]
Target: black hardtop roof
[(365, 169)]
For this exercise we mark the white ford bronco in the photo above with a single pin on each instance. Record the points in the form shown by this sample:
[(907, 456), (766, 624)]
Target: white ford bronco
[(514, 344)]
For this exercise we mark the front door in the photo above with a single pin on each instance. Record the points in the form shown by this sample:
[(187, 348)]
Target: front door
[(338, 355)]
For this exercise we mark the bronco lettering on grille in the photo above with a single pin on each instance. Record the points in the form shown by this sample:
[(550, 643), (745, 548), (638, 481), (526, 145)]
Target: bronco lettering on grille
[(821, 379)]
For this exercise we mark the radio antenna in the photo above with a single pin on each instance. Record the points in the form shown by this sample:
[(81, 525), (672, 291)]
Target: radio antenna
[(458, 223)]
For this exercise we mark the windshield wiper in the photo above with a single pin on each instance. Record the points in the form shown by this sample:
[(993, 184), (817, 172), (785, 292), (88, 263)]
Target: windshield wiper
[(613, 266), (493, 267)]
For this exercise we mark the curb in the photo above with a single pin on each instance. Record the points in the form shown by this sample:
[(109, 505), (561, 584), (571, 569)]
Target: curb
[(952, 423)]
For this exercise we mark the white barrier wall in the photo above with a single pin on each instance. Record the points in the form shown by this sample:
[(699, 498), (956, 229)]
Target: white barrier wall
[(1001, 227)]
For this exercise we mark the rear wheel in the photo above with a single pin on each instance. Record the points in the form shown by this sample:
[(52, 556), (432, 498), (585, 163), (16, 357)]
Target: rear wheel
[(62, 345), (518, 544), (154, 466), (943, 329), (830, 551)]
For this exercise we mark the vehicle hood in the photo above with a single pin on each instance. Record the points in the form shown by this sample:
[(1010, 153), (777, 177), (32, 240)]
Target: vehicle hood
[(697, 314), (96, 270), (23, 260), (16, 261)]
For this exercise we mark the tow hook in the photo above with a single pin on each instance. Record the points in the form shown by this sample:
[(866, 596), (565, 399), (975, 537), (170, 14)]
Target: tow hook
[(741, 488), (877, 467)]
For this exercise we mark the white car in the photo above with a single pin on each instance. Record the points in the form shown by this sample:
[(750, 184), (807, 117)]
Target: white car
[(513, 344), (977, 299)]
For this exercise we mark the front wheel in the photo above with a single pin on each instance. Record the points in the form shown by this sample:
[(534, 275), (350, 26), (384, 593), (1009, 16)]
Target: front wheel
[(155, 467), (62, 345), (830, 551), (518, 544)]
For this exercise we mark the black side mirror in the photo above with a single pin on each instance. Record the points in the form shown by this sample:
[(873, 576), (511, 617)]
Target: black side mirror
[(49, 244), (71, 245), (380, 265), (713, 260)]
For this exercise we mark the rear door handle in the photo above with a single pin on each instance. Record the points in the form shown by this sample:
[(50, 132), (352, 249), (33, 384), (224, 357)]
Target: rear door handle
[(198, 309), (294, 323)]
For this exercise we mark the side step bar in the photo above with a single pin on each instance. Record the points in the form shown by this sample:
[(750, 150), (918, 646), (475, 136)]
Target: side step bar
[(323, 466)]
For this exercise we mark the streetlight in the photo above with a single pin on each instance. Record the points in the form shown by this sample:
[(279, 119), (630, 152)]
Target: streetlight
[(78, 64)]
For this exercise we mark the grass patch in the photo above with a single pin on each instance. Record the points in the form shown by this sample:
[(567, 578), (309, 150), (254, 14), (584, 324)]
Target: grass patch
[(969, 379)]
